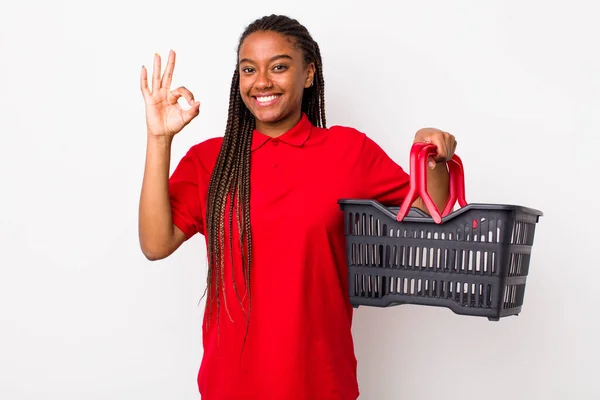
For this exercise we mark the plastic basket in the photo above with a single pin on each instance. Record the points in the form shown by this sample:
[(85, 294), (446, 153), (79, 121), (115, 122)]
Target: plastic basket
[(474, 260)]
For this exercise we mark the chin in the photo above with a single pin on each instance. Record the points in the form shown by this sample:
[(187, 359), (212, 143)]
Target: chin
[(268, 116)]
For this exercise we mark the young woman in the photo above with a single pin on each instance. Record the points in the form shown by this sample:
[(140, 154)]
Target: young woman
[(277, 323)]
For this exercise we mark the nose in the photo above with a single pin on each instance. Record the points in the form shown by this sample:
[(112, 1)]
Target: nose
[(262, 80)]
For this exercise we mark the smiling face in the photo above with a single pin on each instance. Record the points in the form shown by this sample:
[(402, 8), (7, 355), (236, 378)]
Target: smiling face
[(273, 76)]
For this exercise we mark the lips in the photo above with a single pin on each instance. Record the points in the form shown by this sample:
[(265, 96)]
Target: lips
[(266, 100)]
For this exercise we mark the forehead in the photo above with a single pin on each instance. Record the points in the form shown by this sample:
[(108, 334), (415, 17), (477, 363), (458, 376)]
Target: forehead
[(263, 45)]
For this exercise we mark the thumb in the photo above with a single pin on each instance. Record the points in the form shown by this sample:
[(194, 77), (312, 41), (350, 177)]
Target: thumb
[(431, 163)]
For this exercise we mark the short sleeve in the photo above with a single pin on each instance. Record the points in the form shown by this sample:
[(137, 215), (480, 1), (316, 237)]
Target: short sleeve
[(383, 179), (186, 186)]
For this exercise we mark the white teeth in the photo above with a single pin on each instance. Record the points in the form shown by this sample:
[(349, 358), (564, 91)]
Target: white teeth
[(264, 99)]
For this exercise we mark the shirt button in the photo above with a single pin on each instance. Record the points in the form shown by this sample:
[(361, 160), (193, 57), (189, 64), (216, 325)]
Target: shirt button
[(275, 165), (275, 142)]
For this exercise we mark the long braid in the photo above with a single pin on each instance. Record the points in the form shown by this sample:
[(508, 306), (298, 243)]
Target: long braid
[(217, 199), (229, 187)]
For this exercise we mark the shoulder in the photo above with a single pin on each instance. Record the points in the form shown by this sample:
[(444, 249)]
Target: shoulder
[(349, 139), (346, 133), (207, 147), (206, 152), (343, 138)]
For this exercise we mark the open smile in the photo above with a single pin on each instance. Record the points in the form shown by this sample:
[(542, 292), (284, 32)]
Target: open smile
[(266, 101)]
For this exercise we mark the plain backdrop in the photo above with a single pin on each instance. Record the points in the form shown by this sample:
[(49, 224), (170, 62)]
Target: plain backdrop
[(83, 315)]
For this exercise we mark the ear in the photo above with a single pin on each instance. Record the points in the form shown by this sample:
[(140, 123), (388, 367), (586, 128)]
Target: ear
[(310, 75)]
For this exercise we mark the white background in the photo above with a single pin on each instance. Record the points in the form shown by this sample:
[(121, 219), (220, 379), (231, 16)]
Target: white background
[(83, 315)]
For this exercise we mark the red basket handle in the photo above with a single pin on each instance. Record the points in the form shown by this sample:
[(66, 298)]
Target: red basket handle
[(419, 156)]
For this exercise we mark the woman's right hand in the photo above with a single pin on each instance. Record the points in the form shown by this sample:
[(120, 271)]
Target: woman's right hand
[(164, 116)]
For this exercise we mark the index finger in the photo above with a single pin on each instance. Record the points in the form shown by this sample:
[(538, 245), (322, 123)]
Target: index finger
[(168, 75)]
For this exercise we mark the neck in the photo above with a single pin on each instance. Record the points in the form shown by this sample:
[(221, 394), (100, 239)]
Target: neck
[(278, 128)]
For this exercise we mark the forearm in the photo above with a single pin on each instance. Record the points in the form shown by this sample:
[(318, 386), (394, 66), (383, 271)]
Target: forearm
[(438, 187), (156, 230)]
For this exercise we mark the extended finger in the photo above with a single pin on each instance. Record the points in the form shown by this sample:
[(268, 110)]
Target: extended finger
[(168, 75), (156, 73), (144, 82)]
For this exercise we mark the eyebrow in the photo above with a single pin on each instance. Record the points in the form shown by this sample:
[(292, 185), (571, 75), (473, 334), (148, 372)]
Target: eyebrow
[(277, 57)]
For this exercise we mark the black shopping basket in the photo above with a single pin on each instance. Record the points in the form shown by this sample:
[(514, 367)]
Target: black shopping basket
[(474, 260)]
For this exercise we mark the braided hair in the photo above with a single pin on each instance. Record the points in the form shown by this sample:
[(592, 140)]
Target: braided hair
[(229, 187)]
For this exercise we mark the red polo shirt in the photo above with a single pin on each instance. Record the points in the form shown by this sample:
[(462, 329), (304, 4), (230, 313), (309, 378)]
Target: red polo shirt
[(299, 345)]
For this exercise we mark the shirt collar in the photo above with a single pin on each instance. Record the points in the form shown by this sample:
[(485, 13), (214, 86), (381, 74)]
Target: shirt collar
[(296, 136)]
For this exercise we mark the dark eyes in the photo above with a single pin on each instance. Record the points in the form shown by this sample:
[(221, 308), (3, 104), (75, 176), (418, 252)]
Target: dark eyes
[(276, 68)]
